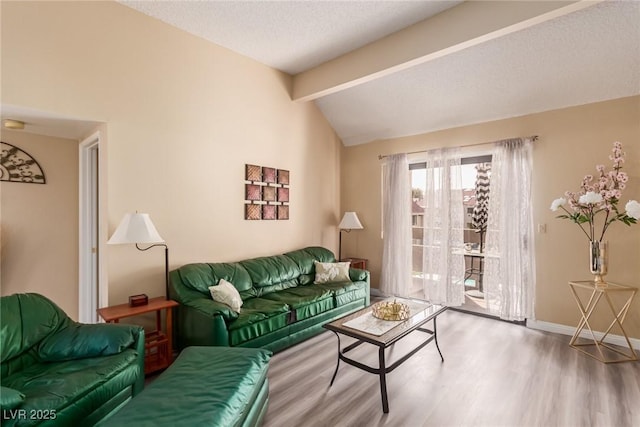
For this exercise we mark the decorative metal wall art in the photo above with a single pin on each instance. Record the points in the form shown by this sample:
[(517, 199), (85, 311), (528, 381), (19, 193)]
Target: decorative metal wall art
[(17, 165), (266, 193)]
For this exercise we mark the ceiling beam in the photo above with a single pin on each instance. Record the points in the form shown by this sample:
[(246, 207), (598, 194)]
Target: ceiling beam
[(455, 29)]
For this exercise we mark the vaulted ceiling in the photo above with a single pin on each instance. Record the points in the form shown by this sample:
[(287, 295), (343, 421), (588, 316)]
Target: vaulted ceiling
[(385, 69)]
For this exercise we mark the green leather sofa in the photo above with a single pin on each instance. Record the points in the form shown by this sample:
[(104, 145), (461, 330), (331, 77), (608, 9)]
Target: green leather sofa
[(204, 387), (55, 371), (281, 303)]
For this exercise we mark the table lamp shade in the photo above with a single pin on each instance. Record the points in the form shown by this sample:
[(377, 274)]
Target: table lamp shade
[(350, 221), (135, 228)]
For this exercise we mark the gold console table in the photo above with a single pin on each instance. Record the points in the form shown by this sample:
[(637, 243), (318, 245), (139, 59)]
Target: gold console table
[(587, 310)]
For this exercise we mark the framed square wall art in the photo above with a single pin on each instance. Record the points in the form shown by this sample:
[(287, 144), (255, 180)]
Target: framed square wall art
[(269, 194), (269, 175), (252, 212), (269, 211), (283, 177), (283, 212), (266, 193), (283, 194), (252, 192), (253, 173)]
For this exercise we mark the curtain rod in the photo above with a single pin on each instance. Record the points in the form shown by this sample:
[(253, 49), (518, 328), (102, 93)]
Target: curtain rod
[(382, 156)]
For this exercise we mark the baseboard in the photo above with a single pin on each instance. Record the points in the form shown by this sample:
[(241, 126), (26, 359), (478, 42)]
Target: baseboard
[(570, 330)]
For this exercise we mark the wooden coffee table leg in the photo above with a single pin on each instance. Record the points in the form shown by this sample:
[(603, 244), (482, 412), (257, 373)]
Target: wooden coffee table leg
[(383, 381)]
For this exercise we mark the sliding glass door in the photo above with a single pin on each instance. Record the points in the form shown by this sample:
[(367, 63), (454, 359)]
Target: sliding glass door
[(472, 191)]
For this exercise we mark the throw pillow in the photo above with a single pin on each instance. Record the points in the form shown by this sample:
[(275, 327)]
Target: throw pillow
[(227, 294), (331, 272), (10, 398)]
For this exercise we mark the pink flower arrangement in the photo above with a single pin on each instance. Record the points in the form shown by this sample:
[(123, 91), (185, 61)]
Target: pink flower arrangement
[(600, 195)]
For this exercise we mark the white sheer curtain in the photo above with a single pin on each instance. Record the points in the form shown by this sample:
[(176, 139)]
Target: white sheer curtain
[(443, 256), (509, 275), (396, 217)]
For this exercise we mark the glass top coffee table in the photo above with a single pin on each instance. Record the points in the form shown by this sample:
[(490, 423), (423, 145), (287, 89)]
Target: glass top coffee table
[(365, 328)]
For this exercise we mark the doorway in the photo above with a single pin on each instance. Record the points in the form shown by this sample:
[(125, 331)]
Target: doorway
[(92, 291)]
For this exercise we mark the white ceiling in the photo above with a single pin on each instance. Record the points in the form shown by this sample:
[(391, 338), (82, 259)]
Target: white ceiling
[(291, 36), (45, 123), (589, 55)]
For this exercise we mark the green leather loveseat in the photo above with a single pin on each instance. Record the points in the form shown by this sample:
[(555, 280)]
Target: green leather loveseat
[(281, 303), (55, 371)]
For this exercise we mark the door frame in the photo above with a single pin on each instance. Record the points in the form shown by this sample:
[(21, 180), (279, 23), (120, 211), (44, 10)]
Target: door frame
[(90, 297)]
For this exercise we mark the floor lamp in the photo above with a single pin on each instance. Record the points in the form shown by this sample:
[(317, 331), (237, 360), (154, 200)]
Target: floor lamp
[(139, 229), (349, 222)]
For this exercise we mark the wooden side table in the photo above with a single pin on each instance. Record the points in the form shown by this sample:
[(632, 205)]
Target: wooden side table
[(360, 263), (619, 315), (158, 345)]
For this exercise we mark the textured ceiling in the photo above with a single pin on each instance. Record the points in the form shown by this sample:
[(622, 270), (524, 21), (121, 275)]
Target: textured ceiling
[(291, 36), (587, 56)]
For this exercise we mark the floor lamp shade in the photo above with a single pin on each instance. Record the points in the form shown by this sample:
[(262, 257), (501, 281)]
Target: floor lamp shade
[(135, 228), (349, 222), (138, 228)]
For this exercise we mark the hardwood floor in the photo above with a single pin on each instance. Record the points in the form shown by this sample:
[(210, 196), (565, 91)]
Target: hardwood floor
[(495, 374)]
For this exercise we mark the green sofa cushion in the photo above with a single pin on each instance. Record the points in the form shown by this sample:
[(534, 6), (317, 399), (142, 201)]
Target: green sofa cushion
[(354, 295), (242, 332), (200, 276), (61, 385), (339, 288), (274, 272), (306, 301), (205, 386), (209, 307), (19, 331), (257, 309), (258, 316), (304, 258), (10, 398), (80, 341), (300, 296)]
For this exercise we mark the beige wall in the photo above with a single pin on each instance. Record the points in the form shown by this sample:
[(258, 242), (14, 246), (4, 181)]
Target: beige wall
[(572, 141), (40, 223), (183, 116)]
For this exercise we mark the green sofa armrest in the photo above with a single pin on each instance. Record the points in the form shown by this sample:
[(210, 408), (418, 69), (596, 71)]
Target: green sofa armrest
[(10, 398), (78, 341), (212, 308), (196, 328), (357, 275)]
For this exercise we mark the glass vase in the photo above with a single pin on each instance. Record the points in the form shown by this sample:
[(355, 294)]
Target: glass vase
[(598, 260)]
